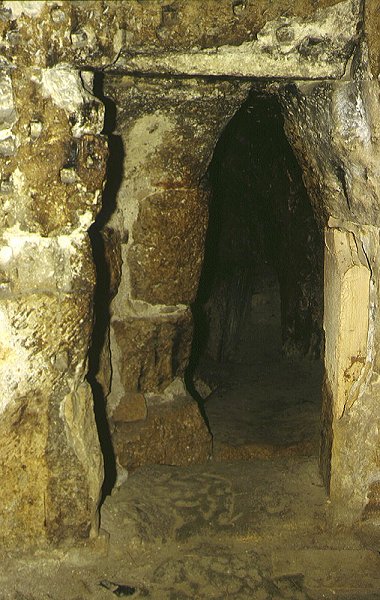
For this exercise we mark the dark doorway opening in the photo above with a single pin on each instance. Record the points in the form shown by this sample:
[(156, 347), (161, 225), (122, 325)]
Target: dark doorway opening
[(258, 315)]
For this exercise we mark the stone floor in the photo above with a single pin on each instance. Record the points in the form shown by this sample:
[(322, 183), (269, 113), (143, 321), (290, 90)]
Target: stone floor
[(264, 404), (257, 530), (253, 524)]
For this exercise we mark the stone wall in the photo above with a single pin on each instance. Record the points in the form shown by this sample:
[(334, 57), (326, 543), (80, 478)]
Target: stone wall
[(168, 128), (175, 87), (333, 128), (52, 170)]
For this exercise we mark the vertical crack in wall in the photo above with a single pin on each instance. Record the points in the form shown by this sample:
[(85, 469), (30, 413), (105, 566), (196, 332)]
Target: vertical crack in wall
[(98, 233)]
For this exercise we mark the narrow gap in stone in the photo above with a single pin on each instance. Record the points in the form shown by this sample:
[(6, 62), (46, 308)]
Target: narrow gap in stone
[(102, 291), (258, 315)]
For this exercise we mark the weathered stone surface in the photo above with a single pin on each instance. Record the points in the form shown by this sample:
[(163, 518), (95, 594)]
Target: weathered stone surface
[(113, 259), (68, 121), (160, 118), (349, 365), (52, 169), (158, 121), (51, 174), (30, 263), (333, 129), (174, 433), (166, 257), (372, 27), (43, 350), (75, 469), (152, 351), (216, 37), (310, 46), (23, 462), (132, 407), (160, 220), (372, 509), (346, 317)]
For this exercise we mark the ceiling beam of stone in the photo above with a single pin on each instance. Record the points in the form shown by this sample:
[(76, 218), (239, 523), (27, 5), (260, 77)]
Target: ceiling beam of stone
[(299, 39)]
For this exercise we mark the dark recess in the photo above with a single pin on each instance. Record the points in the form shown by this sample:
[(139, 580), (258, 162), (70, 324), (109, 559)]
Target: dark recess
[(260, 220), (102, 296)]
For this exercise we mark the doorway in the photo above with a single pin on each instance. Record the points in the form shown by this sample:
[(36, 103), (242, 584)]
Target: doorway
[(258, 344)]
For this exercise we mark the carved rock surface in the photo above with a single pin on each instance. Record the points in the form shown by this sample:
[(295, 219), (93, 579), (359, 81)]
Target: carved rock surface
[(153, 350), (333, 127), (52, 167), (174, 433), (51, 171), (259, 39), (166, 257), (160, 221)]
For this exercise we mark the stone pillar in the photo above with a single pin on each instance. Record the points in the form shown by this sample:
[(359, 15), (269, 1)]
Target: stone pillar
[(169, 128), (51, 177), (351, 440), (333, 127)]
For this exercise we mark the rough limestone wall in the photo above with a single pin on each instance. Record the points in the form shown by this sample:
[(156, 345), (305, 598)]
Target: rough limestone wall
[(298, 39), (52, 166), (334, 127), (169, 128), (52, 471)]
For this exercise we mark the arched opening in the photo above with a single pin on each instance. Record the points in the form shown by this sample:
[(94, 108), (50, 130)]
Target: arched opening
[(258, 315)]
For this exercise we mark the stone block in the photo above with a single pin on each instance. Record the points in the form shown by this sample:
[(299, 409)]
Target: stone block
[(149, 352), (372, 509), (231, 37), (174, 433), (50, 462), (31, 263), (372, 25), (282, 47), (166, 256), (166, 126), (346, 317), (132, 407), (51, 183), (55, 176), (75, 468)]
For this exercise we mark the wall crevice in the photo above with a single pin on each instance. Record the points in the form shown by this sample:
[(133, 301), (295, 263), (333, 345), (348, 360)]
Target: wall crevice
[(100, 352)]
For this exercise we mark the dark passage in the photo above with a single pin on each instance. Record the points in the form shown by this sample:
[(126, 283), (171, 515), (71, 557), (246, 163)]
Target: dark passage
[(258, 314)]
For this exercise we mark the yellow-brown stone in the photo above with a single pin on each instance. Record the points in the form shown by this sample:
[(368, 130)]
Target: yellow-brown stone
[(152, 351), (174, 433), (166, 257), (132, 407)]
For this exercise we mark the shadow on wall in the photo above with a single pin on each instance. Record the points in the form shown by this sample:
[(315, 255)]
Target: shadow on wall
[(102, 296), (261, 224)]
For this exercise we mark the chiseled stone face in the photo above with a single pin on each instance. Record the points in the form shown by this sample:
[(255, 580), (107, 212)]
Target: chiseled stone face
[(132, 407), (152, 350), (172, 433), (333, 127), (372, 26), (302, 42), (219, 37), (169, 129), (52, 166), (166, 257)]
